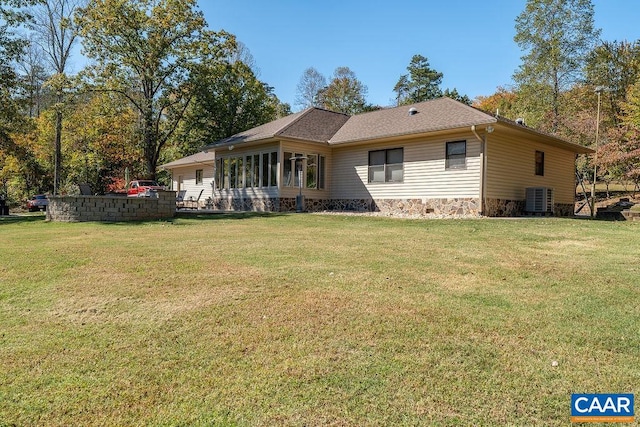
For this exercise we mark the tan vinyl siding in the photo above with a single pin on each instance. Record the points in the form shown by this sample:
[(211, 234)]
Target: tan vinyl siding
[(188, 174), (511, 169), (425, 175)]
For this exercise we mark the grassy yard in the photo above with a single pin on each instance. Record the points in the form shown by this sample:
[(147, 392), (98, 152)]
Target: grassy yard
[(315, 320)]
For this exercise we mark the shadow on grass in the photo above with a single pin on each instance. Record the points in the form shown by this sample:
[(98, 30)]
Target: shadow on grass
[(13, 218), (214, 216), (203, 216)]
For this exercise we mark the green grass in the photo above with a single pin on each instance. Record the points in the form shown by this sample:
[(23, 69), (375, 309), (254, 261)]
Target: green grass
[(315, 320)]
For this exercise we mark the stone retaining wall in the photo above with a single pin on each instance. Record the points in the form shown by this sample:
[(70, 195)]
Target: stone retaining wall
[(111, 208)]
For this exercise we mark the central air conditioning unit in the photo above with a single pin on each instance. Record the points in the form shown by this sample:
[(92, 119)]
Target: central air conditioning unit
[(539, 199)]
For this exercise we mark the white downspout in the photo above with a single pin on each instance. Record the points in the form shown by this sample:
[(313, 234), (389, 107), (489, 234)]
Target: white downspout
[(482, 168)]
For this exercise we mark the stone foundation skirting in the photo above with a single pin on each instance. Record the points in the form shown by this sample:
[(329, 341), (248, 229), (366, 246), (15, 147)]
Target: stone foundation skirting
[(452, 206), (246, 205), (111, 208), (502, 207), (563, 209)]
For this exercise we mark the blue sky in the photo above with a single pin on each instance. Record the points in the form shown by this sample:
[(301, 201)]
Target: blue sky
[(470, 41)]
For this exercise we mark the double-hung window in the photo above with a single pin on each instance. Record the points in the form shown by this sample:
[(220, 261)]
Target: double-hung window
[(386, 165), (456, 155)]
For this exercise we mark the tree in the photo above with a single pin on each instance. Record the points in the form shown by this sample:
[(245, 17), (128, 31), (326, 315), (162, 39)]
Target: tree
[(421, 84), (501, 103), (101, 142), (453, 94), (616, 67), (11, 45), (228, 99), (345, 93), (619, 155), (33, 76), (11, 49), (308, 89), (12, 16), (556, 36), (57, 33), (146, 51)]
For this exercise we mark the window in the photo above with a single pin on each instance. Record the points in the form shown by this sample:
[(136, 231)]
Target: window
[(248, 171), (253, 170), (256, 171), (540, 163), (218, 174), (321, 162), (233, 172), (456, 155), (225, 173), (198, 176), (386, 165), (287, 169), (273, 161), (265, 170), (312, 171), (298, 167)]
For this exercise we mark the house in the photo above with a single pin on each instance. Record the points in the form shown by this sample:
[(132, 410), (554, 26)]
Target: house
[(438, 156), (192, 174)]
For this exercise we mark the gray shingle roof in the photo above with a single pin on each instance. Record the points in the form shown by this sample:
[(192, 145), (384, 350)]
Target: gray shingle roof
[(323, 126), (312, 124), (433, 115), (199, 157), (316, 125)]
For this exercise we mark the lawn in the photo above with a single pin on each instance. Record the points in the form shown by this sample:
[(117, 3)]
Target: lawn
[(262, 320)]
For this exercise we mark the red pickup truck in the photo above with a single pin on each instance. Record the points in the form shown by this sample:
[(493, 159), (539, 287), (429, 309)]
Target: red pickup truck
[(143, 188)]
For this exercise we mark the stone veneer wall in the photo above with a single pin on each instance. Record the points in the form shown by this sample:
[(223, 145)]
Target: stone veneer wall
[(111, 208), (563, 209), (454, 206), (462, 206), (242, 205), (501, 207)]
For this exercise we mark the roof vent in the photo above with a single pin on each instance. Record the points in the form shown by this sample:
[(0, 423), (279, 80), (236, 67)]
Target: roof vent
[(413, 111), (520, 121)]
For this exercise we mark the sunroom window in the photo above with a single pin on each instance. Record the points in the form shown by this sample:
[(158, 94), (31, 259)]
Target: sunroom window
[(313, 170)]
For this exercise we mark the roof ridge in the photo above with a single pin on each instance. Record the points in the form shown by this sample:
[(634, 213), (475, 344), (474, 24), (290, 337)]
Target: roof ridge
[(305, 113), (447, 113), (296, 120)]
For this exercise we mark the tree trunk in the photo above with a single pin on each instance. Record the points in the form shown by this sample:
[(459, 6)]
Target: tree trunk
[(57, 172), (149, 145)]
